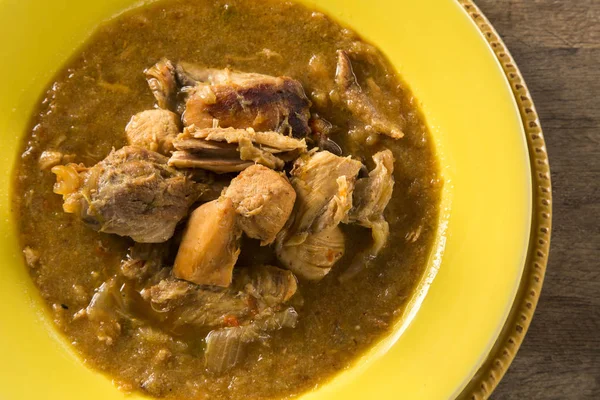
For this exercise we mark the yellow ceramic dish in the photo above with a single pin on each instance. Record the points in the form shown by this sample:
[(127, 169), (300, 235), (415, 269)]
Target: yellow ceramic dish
[(464, 326)]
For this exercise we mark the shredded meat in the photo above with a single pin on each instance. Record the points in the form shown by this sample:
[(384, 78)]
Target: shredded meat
[(162, 82), (232, 150), (183, 159), (358, 102), (324, 184), (313, 258), (255, 291), (371, 196), (373, 193), (268, 140)]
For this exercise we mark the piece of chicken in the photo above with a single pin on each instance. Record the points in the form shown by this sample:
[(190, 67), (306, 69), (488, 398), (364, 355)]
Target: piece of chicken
[(247, 100), (255, 291), (313, 258), (154, 130), (264, 200), (183, 159), (371, 196), (132, 192), (324, 184), (247, 311), (373, 193), (358, 102), (232, 150), (270, 141), (162, 81), (210, 245)]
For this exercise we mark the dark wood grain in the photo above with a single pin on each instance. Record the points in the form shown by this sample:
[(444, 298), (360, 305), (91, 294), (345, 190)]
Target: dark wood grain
[(556, 45)]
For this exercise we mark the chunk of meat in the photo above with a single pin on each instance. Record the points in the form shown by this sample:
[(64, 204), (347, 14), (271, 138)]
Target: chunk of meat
[(255, 292), (207, 148), (162, 81), (245, 150), (210, 245), (371, 196), (324, 184), (313, 258), (224, 150), (358, 102), (373, 193), (247, 100), (184, 303), (264, 200), (154, 130), (132, 192), (270, 141), (183, 159)]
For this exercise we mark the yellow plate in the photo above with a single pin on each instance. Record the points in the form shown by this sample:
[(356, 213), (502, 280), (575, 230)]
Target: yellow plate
[(494, 229)]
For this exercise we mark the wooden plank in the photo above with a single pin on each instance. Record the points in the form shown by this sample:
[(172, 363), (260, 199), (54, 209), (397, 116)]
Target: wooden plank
[(556, 44)]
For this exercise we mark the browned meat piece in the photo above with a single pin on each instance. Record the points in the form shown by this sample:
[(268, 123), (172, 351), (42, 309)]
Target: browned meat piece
[(248, 100), (371, 197), (210, 246), (324, 184), (264, 200), (357, 101), (132, 192), (313, 258), (183, 159), (255, 292), (154, 130), (162, 81)]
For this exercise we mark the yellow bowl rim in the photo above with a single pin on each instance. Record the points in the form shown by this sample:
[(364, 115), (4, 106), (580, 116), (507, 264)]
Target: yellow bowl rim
[(511, 337)]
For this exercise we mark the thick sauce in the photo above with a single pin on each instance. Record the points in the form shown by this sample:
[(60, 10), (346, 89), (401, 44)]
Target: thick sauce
[(83, 114)]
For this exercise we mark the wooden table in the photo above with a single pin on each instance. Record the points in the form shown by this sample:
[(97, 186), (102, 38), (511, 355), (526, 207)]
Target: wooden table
[(556, 44)]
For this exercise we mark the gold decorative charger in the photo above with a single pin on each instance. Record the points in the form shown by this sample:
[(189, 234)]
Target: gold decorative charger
[(507, 344)]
